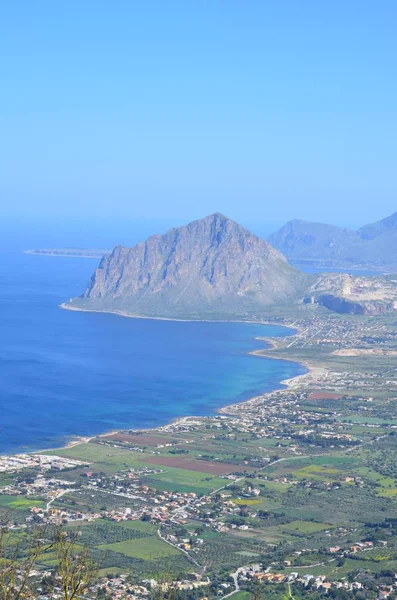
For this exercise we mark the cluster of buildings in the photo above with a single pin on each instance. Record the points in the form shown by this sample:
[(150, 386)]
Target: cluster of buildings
[(313, 582), (122, 587), (43, 462), (284, 416)]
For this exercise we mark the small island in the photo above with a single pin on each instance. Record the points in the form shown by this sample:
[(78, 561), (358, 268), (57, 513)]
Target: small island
[(72, 252)]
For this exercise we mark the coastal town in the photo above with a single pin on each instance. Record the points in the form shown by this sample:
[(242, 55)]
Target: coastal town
[(198, 300), (291, 492)]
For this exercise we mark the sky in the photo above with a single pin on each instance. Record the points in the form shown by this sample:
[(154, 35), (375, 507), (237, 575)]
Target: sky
[(263, 110)]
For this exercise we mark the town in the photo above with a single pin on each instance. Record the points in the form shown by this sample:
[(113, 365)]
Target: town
[(293, 491)]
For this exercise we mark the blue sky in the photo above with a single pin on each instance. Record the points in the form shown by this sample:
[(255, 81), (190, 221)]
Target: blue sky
[(263, 110)]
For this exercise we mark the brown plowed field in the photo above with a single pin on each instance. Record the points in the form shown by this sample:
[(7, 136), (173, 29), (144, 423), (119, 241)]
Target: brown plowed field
[(214, 468), (323, 396)]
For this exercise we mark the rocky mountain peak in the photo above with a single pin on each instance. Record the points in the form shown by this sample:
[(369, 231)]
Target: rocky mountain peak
[(212, 266)]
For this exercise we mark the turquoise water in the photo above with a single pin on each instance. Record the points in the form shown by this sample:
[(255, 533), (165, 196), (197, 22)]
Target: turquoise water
[(67, 373)]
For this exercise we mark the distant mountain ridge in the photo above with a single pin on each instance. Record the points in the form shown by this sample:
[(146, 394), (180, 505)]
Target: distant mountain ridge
[(373, 246), (382, 227), (311, 238), (210, 268)]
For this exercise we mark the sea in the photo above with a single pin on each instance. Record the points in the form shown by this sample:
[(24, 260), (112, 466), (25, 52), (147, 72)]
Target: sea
[(67, 374)]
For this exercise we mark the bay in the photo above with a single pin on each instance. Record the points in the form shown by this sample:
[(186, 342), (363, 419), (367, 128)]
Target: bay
[(66, 374)]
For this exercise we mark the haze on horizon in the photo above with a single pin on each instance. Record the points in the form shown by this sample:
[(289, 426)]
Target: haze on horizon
[(264, 111)]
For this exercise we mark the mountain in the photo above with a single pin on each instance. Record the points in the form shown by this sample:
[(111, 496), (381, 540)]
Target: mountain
[(387, 226), (210, 268), (306, 239), (373, 246)]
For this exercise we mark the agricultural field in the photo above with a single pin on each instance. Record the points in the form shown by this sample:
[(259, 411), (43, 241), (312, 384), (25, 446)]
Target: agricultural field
[(19, 503), (148, 548), (184, 480), (302, 481), (304, 527), (202, 466), (104, 458), (378, 554)]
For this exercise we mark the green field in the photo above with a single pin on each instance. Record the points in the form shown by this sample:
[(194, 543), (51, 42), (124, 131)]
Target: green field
[(241, 596), (110, 460), (318, 468), (378, 554), (141, 526), (148, 548), (20, 502), (304, 527), (104, 458), (247, 501), (183, 480)]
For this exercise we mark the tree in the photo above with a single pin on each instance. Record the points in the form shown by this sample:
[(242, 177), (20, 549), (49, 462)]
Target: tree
[(19, 556), (16, 563), (257, 591), (76, 569)]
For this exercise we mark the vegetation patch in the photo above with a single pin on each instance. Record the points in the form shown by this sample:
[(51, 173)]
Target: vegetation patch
[(202, 466), (305, 527), (148, 548), (20, 502)]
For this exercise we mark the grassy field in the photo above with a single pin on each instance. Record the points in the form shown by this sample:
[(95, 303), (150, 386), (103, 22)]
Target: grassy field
[(379, 554), (274, 486), (186, 481), (247, 501), (147, 548), (20, 502), (103, 458), (304, 527), (141, 526), (113, 459), (241, 596), (318, 468), (269, 535)]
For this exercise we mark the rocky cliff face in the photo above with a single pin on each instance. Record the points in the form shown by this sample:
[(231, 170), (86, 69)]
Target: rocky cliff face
[(210, 268), (354, 294)]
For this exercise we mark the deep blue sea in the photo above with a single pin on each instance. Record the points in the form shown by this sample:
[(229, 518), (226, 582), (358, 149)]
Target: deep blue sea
[(66, 374)]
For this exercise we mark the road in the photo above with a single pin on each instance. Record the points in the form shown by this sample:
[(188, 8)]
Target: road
[(289, 591), (234, 576), (47, 508), (193, 560)]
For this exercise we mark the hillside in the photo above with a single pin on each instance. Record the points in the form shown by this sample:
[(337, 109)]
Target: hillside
[(210, 268), (307, 239), (373, 246), (354, 294)]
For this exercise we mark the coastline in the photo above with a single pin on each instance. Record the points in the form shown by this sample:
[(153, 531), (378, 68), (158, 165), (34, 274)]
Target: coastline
[(227, 410), (119, 313), (288, 384)]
